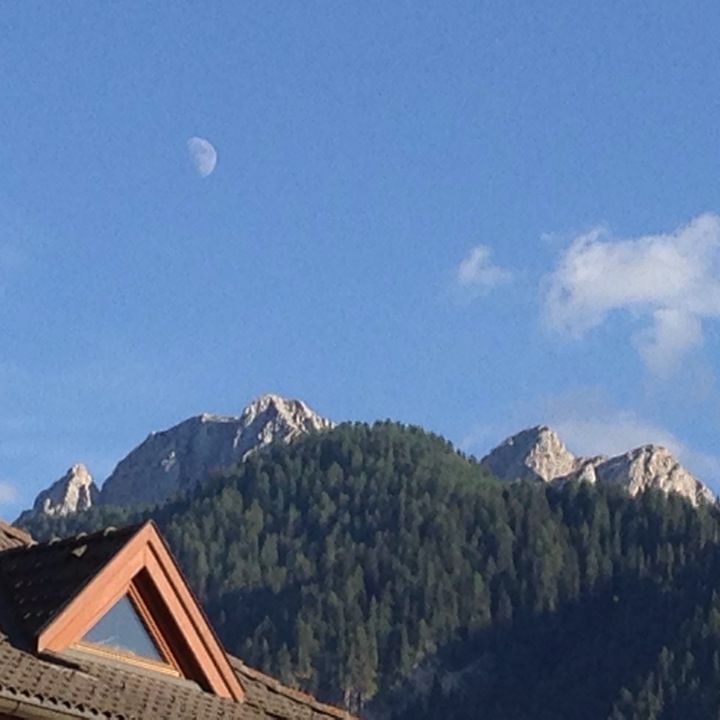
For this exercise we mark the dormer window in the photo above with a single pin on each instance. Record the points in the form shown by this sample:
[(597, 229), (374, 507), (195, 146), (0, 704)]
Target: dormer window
[(118, 595), (122, 630)]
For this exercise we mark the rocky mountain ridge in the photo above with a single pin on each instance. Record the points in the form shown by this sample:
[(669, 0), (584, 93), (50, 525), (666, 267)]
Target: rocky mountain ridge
[(175, 459), (178, 458), (73, 492), (539, 454)]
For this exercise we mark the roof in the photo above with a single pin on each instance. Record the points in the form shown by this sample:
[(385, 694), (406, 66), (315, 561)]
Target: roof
[(43, 578), (280, 701), (38, 581), (12, 537), (137, 563)]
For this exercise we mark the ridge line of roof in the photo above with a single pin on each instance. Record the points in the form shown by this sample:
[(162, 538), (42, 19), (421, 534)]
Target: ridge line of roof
[(123, 534), (55, 542)]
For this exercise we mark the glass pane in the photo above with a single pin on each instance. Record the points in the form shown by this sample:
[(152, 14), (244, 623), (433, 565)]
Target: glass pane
[(122, 629)]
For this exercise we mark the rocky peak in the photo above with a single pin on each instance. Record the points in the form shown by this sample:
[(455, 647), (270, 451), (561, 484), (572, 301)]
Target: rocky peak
[(534, 454), (180, 457), (539, 454), (73, 492), (652, 466), (272, 417)]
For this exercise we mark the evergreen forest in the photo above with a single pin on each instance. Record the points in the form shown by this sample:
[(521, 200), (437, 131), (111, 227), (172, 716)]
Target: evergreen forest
[(378, 567)]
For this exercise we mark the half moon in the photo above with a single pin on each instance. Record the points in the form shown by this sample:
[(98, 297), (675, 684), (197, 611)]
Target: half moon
[(203, 155)]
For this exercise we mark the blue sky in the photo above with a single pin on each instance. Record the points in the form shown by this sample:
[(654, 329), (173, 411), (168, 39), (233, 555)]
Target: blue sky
[(474, 216)]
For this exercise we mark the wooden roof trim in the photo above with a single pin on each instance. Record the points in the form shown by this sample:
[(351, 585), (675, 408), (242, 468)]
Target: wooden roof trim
[(183, 606), (146, 554), (96, 598)]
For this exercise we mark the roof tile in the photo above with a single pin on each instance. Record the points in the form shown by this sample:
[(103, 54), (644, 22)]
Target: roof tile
[(42, 578), (11, 537)]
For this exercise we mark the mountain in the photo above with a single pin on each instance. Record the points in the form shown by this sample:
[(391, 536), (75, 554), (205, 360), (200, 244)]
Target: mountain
[(652, 466), (539, 454), (73, 492), (177, 459), (380, 562), (533, 454)]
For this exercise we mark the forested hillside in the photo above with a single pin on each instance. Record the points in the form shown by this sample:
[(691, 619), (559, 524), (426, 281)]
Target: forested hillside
[(378, 561)]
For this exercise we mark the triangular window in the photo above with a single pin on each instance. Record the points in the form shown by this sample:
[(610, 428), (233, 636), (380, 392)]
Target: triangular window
[(121, 629), (127, 632), (137, 609)]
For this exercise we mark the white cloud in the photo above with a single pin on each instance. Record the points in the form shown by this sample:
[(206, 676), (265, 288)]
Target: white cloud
[(8, 492), (478, 273), (672, 334), (672, 280)]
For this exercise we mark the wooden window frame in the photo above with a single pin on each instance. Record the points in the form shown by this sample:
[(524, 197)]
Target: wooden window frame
[(169, 666)]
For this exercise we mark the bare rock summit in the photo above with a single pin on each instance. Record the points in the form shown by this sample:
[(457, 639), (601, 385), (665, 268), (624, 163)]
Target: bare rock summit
[(176, 459), (534, 454), (179, 458), (73, 492), (271, 418), (539, 454), (652, 466)]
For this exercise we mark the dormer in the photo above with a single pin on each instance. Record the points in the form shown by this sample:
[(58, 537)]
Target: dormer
[(117, 596)]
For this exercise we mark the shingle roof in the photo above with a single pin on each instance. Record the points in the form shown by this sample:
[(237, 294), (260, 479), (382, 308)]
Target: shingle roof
[(12, 537), (42, 578), (38, 580), (103, 689), (278, 700)]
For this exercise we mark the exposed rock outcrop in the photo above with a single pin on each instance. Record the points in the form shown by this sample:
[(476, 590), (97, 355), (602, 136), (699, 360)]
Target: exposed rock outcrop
[(539, 454), (533, 454), (652, 466), (180, 457), (176, 459), (73, 492)]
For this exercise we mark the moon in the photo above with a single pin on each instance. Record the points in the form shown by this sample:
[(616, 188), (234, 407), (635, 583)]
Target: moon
[(203, 155)]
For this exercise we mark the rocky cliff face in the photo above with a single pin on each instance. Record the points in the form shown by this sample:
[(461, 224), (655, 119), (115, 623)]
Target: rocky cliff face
[(178, 458), (533, 454), (539, 454), (652, 466), (73, 492)]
